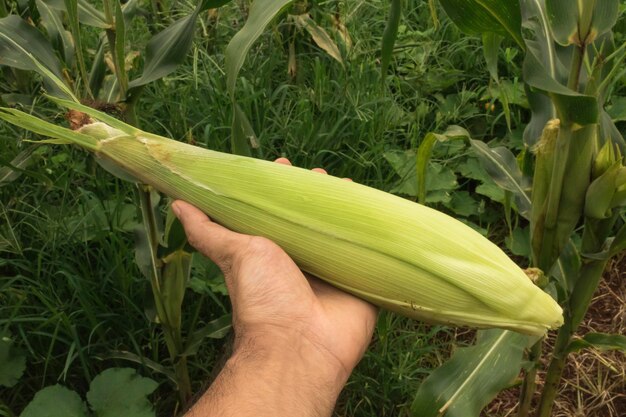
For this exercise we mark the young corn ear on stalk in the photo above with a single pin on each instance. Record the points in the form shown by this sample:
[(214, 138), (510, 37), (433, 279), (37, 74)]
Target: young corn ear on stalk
[(397, 254)]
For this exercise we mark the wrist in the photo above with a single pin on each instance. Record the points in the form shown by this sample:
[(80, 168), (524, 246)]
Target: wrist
[(295, 375)]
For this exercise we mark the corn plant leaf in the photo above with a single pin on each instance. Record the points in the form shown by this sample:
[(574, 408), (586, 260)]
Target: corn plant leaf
[(601, 194), (121, 392), (12, 362), (608, 131), (474, 375), (389, 36), (563, 18), (61, 39), (479, 16), (72, 8), (618, 244), (174, 277), (424, 153), (501, 165), (243, 137), (21, 44), (319, 36), (572, 22), (491, 46), (262, 12), (87, 14), (617, 110), (215, 329), (55, 401), (565, 270), (167, 49), (539, 41), (571, 106), (24, 47), (600, 341), (605, 14), (120, 48)]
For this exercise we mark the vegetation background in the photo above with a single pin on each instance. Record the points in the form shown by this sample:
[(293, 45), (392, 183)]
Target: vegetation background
[(75, 301)]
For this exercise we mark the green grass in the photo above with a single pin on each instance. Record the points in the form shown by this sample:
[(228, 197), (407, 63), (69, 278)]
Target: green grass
[(71, 293)]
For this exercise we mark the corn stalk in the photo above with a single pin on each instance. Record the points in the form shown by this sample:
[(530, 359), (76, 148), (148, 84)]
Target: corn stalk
[(579, 179)]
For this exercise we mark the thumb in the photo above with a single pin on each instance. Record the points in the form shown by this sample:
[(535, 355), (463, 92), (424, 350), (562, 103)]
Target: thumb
[(212, 240)]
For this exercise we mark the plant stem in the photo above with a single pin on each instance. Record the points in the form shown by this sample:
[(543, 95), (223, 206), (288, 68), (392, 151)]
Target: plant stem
[(529, 385), (586, 284), (577, 63)]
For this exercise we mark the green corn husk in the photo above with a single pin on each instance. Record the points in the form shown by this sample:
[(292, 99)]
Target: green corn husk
[(397, 254)]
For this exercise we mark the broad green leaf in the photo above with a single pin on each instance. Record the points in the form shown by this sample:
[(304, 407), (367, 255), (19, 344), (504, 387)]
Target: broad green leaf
[(566, 269), (571, 106), (605, 14), (463, 204), (519, 242), (174, 277), (540, 43), (601, 341), (539, 39), (243, 137), (479, 16), (98, 68), (61, 38), (573, 23), (71, 7), (608, 131), (473, 376), (602, 192), (120, 392), (501, 165), (617, 110), (424, 153), (261, 13), (120, 48), (319, 36), (87, 14), (563, 18), (24, 47), (618, 244), (55, 401), (491, 46), (389, 36), (21, 44), (440, 180), (12, 362), (471, 168), (167, 50)]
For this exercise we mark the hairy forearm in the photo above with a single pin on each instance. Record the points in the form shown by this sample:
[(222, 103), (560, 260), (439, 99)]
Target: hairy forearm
[(286, 379)]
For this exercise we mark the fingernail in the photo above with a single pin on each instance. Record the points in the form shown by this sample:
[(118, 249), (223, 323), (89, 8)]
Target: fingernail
[(176, 208)]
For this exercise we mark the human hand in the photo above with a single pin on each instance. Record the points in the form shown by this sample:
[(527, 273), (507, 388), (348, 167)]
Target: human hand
[(280, 314)]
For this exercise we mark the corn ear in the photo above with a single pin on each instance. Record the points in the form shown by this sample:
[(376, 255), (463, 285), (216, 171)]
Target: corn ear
[(397, 254)]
